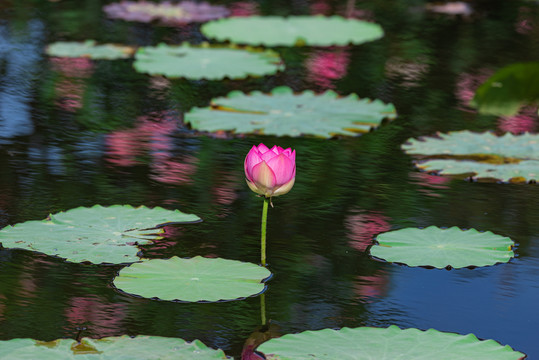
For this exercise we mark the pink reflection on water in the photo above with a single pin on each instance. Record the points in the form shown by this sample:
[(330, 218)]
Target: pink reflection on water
[(70, 88), (363, 226), (526, 21), (243, 8), (430, 182), (525, 121), (96, 314), (370, 287), (466, 86), (324, 67), (174, 171), (149, 137)]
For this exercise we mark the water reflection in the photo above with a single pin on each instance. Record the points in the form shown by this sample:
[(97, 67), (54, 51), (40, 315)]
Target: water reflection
[(20, 53)]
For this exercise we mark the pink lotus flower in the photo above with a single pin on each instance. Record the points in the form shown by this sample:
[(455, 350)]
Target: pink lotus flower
[(270, 172)]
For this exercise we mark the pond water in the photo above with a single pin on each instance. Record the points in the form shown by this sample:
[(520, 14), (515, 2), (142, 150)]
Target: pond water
[(79, 133)]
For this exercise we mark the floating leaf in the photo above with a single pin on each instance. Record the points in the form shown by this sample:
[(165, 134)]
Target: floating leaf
[(194, 279), (505, 92), (442, 248), (508, 158), (89, 49), (97, 234), (166, 13), (284, 113), (292, 31), (113, 348), (212, 63), (390, 343)]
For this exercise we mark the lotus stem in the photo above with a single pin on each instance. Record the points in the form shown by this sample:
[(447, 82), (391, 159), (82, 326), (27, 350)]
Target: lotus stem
[(263, 309), (263, 231)]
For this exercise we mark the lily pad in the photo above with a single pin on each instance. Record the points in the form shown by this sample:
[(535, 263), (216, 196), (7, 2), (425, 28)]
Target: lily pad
[(509, 157), (211, 63), (192, 280), (292, 31), (97, 234), (510, 88), (113, 348), (390, 343), (89, 49), (166, 13), (283, 113), (443, 248)]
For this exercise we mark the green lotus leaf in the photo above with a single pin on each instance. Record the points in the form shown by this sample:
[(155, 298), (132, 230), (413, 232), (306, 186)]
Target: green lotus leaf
[(212, 63), (97, 234), (442, 248), (89, 49), (509, 157), (292, 31), (392, 343), (192, 280), (283, 113), (511, 87), (113, 348)]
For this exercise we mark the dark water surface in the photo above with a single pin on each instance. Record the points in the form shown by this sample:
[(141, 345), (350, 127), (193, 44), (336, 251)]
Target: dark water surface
[(67, 140)]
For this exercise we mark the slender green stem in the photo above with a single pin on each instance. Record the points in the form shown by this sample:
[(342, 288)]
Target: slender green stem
[(263, 308), (263, 232)]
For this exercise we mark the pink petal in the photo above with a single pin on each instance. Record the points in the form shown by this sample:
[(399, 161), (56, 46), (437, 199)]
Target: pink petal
[(283, 168), (251, 160), (263, 176), (262, 148), (268, 155)]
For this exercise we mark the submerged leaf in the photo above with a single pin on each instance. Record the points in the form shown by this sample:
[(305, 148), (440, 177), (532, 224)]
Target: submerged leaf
[(510, 88), (484, 155), (366, 343), (283, 113), (194, 279), (293, 30), (212, 63), (98, 234), (442, 248), (112, 348)]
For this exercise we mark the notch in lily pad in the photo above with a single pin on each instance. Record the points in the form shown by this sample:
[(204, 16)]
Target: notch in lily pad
[(97, 234), (384, 344), (482, 156), (284, 113), (196, 279), (443, 248), (111, 348)]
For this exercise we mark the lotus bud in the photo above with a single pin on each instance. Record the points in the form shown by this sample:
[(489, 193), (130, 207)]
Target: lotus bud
[(270, 172)]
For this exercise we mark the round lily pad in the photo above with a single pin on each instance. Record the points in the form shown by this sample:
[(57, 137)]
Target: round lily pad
[(165, 12), (211, 63), (89, 49), (390, 343), (292, 31), (192, 280), (98, 234), (509, 157), (442, 248), (112, 348), (284, 113)]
